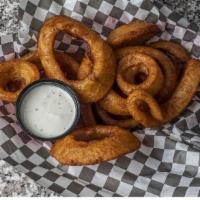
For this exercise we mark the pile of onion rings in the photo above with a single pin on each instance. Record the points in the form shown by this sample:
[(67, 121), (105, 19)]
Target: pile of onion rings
[(155, 82), (122, 83)]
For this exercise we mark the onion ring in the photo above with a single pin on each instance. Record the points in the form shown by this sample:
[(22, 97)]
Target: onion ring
[(107, 119), (169, 70), (14, 77), (85, 68), (134, 33), (173, 48), (87, 146), (132, 65), (114, 103), (135, 104), (97, 83), (174, 106), (68, 64)]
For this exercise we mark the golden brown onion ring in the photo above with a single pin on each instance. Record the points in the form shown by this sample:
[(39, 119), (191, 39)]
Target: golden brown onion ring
[(97, 83), (87, 146), (131, 66), (174, 106), (14, 77), (134, 33), (184, 92), (85, 68), (173, 48), (114, 103), (169, 70), (109, 120), (68, 64), (87, 115), (148, 118)]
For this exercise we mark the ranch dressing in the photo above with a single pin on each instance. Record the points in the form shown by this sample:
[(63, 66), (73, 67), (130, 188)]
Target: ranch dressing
[(48, 111)]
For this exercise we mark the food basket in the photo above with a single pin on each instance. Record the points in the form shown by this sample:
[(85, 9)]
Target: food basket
[(166, 164)]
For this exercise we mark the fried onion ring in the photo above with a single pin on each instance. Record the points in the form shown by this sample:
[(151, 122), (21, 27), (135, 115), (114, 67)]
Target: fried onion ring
[(171, 109), (100, 80), (134, 33), (32, 57), (169, 70), (173, 48), (14, 77), (114, 103), (148, 118), (68, 64), (129, 69), (129, 122), (89, 146), (85, 68)]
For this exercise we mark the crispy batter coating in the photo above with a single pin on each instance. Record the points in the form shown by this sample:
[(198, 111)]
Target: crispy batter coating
[(159, 114), (173, 48), (134, 33), (150, 117), (133, 65), (184, 92), (167, 67), (71, 66), (100, 80), (114, 103), (93, 145), (68, 64), (128, 122), (85, 68), (14, 77)]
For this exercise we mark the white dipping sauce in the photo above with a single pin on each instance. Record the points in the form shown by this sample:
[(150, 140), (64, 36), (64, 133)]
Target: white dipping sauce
[(48, 111)]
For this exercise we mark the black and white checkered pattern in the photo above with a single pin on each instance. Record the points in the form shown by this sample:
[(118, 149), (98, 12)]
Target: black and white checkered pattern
[(167, 164)]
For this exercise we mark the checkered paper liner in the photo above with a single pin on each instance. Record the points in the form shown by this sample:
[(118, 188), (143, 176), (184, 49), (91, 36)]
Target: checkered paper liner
[(167, 164)]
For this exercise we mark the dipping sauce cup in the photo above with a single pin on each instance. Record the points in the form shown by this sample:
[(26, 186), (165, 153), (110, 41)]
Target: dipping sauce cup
[(48, 109)]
